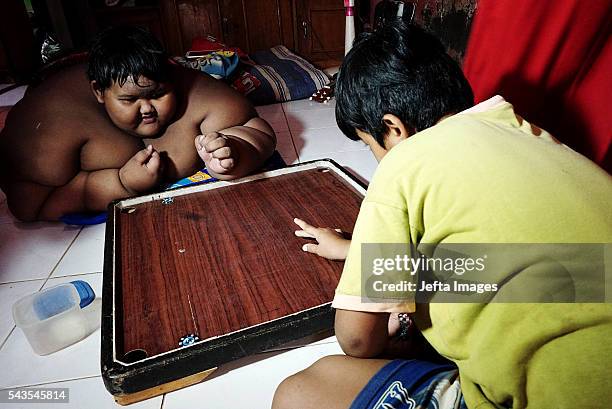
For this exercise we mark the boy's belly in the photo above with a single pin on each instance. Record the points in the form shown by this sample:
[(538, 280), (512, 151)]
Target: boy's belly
[(177, 148), (108, 148)]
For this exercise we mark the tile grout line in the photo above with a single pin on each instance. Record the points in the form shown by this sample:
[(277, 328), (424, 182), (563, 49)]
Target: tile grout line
[(78, 378), (317, 128), (297, 155), (61, 258), (346, 150), (7, 337), (39, 279), (291, 131)]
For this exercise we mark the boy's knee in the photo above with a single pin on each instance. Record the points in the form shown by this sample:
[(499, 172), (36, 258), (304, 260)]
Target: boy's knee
[(297, 390), (285, 396), (27, 201), (24, 212)]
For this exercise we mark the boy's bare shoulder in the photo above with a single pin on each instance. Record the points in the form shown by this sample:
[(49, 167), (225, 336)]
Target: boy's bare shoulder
[(211, 100), (68, 84), (60, 99)]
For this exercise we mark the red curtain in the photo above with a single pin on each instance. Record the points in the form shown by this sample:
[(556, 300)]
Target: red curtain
[(553, 61)]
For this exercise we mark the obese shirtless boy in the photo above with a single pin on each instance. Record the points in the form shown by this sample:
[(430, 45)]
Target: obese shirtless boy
[(119, 127)]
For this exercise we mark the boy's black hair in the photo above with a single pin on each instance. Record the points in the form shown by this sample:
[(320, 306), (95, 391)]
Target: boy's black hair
[(399, 70), (118, 53)]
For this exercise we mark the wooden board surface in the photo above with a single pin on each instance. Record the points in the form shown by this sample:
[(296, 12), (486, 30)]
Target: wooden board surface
[(217, 261)]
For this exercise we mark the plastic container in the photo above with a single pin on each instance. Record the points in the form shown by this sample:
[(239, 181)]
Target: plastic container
[(55, 318)]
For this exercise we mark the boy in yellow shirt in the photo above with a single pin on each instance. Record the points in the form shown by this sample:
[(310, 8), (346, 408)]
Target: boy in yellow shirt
[(451, 173)]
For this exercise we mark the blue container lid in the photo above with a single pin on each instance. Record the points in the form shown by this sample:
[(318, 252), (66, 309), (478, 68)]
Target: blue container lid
[(85, 292)]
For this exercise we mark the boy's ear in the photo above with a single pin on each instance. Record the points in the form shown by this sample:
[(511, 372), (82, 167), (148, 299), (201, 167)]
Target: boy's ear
[(97, 91), (397, 131)]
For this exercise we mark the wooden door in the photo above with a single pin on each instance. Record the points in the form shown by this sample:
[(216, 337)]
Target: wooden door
[(160, 17), (320, 29), (256, 25), (234, 24), (146, 17), (198, 18), (18, 57)]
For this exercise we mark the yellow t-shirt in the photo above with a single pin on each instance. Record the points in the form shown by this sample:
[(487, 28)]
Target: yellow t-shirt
[(491, 177)]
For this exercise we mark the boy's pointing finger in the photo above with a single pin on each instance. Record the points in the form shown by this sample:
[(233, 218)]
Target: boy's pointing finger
[(306, 227), (302, 233)]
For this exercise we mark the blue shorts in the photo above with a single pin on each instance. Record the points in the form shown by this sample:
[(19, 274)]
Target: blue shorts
[(411, 384)]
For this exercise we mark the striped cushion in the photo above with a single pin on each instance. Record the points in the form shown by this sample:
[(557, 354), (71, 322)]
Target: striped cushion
[(284, 76)]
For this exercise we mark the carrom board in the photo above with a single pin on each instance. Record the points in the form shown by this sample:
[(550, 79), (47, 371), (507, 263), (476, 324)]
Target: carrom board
[(219, 262)]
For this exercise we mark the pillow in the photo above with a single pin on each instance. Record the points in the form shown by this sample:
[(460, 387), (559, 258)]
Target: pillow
[(218, 64), (282, 76)]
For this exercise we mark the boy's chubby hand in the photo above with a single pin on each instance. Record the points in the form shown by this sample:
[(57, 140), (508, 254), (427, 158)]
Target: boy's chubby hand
[(217, 151), (142, 172), (331, 244)]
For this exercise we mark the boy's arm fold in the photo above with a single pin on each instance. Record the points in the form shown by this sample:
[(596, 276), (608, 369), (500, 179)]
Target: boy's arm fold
[(366, 335), (87, 191), (362, 334), (252, 143)]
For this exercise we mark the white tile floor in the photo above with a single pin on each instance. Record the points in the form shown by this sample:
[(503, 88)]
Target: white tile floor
[(37, 255)]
